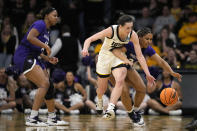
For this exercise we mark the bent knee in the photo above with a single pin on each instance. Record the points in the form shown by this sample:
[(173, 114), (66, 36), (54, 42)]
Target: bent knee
[(45, 84)]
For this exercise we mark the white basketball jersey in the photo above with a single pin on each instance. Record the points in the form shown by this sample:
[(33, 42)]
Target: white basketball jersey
[(114, 41)]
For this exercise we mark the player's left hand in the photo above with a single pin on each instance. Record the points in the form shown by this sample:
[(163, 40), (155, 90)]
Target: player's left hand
[(150, 79), (177, 75), (53, 60)]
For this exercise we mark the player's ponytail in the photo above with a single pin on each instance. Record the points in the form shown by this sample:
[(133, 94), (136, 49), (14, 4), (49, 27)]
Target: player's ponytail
[(44, 12)]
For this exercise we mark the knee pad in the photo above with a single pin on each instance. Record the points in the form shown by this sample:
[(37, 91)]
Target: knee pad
[(50, 93)]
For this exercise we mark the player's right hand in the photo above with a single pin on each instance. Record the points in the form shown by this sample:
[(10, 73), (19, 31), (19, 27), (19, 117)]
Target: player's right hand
[(84, 52), (48, 50)]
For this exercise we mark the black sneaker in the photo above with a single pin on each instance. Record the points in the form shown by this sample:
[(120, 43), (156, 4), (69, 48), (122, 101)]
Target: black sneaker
[(136, 117), (34, 122), (56, 121), (191, 125)]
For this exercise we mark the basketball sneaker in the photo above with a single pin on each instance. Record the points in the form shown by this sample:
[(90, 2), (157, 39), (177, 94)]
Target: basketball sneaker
[(56, 122), (109, 114), (99, 106), (34, 122), (136, 117)]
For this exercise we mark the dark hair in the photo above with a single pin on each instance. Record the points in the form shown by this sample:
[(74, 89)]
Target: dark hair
[(44, 12), (144, 31), (124, 19)]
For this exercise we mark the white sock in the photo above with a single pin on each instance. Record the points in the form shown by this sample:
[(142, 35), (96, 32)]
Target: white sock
[(110, 106), (51, 114), (136, 109), (100, 100), (131, 110), (33, 114)]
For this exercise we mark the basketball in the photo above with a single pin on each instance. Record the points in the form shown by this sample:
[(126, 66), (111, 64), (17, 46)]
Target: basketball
[(168, 96)]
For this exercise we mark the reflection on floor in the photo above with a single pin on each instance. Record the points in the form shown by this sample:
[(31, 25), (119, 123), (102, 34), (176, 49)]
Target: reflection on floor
[(15, 122)]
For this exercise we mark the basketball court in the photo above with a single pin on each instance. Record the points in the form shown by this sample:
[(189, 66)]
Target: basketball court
[(15, 122)]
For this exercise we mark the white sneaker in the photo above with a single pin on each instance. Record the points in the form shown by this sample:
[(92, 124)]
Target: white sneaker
[(121, 112), (43, 111), (74, 112), (152, 112), (175, 112), (109, 114), (92, 111), (27, 111), (7, 111), (34, 122), (56, 122), (99, 107)]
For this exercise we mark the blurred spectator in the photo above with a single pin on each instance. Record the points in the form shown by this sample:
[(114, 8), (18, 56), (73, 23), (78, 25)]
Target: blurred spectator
[(75, 96), (7, 20), (156, 105), (167, 38), (188, 32), (72, 14), (171, 59), (183, 19), (165, 19), (7, 45), (66, 50), (145, 20), (176, 9), (153, 7), (33, 6), (22, 97), (191, 62), (30, 19), (194, 46), (193, 5), (7, 91), (18, 14)]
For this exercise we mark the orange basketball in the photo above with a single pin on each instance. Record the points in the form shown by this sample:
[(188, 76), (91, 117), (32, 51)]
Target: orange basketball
[(168, 96)]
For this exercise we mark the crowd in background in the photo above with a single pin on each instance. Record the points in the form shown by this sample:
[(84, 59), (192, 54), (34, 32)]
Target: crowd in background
[(173, 23)]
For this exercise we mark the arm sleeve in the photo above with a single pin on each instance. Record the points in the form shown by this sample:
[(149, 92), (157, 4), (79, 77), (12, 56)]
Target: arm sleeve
[(56, 47)]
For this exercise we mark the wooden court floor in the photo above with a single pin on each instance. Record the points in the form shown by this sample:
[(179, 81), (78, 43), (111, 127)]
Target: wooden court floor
[(15, 122)]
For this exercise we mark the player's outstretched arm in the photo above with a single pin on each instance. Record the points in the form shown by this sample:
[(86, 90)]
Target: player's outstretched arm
[(100, 35), (162, 63), (140, 57)]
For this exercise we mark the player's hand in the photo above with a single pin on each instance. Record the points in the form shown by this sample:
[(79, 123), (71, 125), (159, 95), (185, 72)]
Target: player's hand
[(48, 50), (84, 52), (177, 75), (53, 60), (150, 79), (151, 85)]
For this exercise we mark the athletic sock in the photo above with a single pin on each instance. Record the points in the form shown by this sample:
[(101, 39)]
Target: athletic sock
[(51, 114), (111, 106), (33, 114)]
